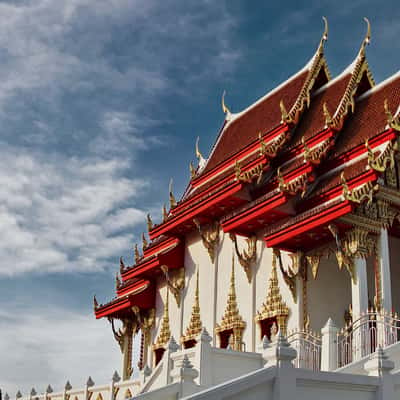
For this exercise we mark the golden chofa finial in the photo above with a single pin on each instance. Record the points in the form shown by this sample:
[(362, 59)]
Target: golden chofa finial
[(192, 170), (199, 156), (164, 213), (324, 36), (172, 201), (144, 242), (150, 224), (367, 38), (225, 109), (95, 303), (137, 254)]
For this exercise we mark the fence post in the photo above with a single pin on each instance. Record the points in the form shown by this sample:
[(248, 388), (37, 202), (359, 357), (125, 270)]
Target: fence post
[(329, 350)]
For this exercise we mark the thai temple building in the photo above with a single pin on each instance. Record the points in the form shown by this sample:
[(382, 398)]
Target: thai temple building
[(276, 275)]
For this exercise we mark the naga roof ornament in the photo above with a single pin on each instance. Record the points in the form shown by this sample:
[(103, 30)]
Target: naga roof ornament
[(172, 200), (150, 224), (199, 156), (303, 100), (392, 120), (225, 109)]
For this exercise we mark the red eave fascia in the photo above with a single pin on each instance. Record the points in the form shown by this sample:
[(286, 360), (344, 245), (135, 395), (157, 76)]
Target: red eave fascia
[(160, 246), (239, 155), (191, 213), (242, 218), (139, 291), (132, 287), (140, 268), (310, 223)]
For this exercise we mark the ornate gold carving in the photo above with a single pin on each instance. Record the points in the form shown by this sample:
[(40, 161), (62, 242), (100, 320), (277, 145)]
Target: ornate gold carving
[(289, 276), (192, 170), (121, 266), (145, 244), (231, 319), (274, 306), (386, 213), (137, 254), (393, 121), (210, 237), (195, 324), (147, 323), (298, 184), (117, 281), (271, 149), (358, 243), (303, 99), (124, 337), (172, 200), (164, 213), (165, 331), (249, 175), (342, 256), (327, 115), (364, 192), (225, 109), (315, 154), (314, 261), (249, 256), (284, 113), (384, 160), (175, 282)]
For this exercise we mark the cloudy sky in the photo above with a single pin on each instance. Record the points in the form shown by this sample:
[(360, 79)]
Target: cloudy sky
[(100, 104)]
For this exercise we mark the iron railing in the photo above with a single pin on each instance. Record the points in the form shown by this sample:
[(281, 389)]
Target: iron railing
[(308, 347)]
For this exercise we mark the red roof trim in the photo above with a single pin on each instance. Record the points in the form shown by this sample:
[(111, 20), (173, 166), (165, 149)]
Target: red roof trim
[(325, 216), (191, 213)]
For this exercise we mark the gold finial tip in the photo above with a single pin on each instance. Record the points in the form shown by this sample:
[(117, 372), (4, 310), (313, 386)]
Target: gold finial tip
[(225, 109), (325, 34), (367, 39)]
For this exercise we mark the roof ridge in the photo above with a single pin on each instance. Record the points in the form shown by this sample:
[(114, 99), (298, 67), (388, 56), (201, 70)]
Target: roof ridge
[(379, 86)]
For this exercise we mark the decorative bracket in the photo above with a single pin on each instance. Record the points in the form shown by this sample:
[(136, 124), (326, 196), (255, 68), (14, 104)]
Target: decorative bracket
[(365, 192), (175, 282), (249, 256), (384, 160), (289, 276), (393, 121), (210, 237)]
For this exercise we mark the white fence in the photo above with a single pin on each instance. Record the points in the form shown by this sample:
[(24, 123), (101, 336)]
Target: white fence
[(308, 347), (363, 336)]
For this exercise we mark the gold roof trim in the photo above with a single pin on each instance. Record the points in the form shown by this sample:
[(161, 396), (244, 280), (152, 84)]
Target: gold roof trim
[(360, 68), (392, 120), (165, 332), (195, 324), (303, 100)]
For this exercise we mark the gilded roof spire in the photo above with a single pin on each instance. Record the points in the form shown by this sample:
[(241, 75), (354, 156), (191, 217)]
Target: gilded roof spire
[(195, 324), (324, 37), (225, 109), (202, 161), (165, 331), (172, 200), (367, 38)]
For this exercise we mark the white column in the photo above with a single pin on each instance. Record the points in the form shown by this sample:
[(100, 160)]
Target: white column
[(384, 265), (359, 289), (329, 350)]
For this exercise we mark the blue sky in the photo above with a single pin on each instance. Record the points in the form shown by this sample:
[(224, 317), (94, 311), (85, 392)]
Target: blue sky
[(101, 102)]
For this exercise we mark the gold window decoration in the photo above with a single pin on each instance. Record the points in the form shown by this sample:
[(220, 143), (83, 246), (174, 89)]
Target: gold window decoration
[(232, 325)]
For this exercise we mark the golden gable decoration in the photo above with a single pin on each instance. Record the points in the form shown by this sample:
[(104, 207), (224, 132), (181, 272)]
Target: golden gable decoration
[(274, 306), (231, 319)]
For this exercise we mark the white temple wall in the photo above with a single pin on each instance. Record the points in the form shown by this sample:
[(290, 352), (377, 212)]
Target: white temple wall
[(161, 292), (371, 279), (394, 249), (329, 295)]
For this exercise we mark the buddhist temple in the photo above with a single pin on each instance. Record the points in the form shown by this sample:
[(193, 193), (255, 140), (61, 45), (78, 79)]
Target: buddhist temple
[(283, 248)]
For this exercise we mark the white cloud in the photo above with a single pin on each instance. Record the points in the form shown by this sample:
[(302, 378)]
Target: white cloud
[(64, 214), (51, 345)]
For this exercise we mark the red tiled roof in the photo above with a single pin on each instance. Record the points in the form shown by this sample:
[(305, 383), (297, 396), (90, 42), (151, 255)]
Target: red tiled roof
[(263, 117)]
